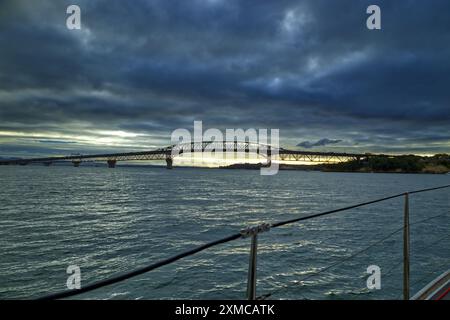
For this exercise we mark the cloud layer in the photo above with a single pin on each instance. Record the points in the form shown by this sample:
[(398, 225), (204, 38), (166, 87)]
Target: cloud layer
[(319, 143), (138, 70)]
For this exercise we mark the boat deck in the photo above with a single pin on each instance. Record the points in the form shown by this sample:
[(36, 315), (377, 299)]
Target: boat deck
[(438, 289)]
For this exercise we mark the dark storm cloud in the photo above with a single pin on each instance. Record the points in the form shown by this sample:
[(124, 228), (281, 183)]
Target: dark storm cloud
[(319, 143), (309, 68)]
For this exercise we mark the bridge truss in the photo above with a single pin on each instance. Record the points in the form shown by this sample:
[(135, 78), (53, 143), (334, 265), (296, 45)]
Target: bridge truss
[(212, 147)]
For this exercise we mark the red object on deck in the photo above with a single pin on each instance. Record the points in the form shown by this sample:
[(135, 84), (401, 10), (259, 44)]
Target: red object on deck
[(443, 294)]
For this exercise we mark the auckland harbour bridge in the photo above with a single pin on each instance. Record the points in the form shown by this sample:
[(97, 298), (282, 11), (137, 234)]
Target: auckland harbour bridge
[(169, 153)]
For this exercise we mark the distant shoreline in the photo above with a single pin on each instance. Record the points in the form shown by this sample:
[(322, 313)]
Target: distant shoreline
[(438, 164)]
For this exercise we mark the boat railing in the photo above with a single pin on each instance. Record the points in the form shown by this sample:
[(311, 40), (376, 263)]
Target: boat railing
[(254, 231)]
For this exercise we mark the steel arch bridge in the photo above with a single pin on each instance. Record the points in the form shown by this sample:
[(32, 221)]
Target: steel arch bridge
[(214, 147)]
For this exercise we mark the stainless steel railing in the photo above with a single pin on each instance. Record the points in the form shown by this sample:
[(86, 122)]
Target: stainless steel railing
[(253, 233)]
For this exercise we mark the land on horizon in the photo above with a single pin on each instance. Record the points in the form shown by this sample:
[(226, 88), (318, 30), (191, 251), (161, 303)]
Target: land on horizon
[(437, 164)]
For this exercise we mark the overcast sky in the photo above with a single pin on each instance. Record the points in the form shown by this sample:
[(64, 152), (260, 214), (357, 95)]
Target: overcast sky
[(137, 70)]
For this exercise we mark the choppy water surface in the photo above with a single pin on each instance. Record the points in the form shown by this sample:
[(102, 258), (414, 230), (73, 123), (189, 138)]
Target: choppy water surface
[(108, 221)]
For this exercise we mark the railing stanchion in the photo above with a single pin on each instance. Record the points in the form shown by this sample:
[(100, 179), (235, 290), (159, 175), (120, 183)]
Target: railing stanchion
[(406, 249), (251, 281), (252, 232)]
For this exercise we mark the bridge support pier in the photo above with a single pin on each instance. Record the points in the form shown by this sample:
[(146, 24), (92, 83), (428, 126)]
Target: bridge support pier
[(112, 163), (76, 163), (169, 162)]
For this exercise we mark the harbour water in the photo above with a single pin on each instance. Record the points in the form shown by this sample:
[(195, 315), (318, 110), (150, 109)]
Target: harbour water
[(109, 221)]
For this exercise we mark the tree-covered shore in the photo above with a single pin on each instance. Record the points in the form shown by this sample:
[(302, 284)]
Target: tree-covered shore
[(439, 163)]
